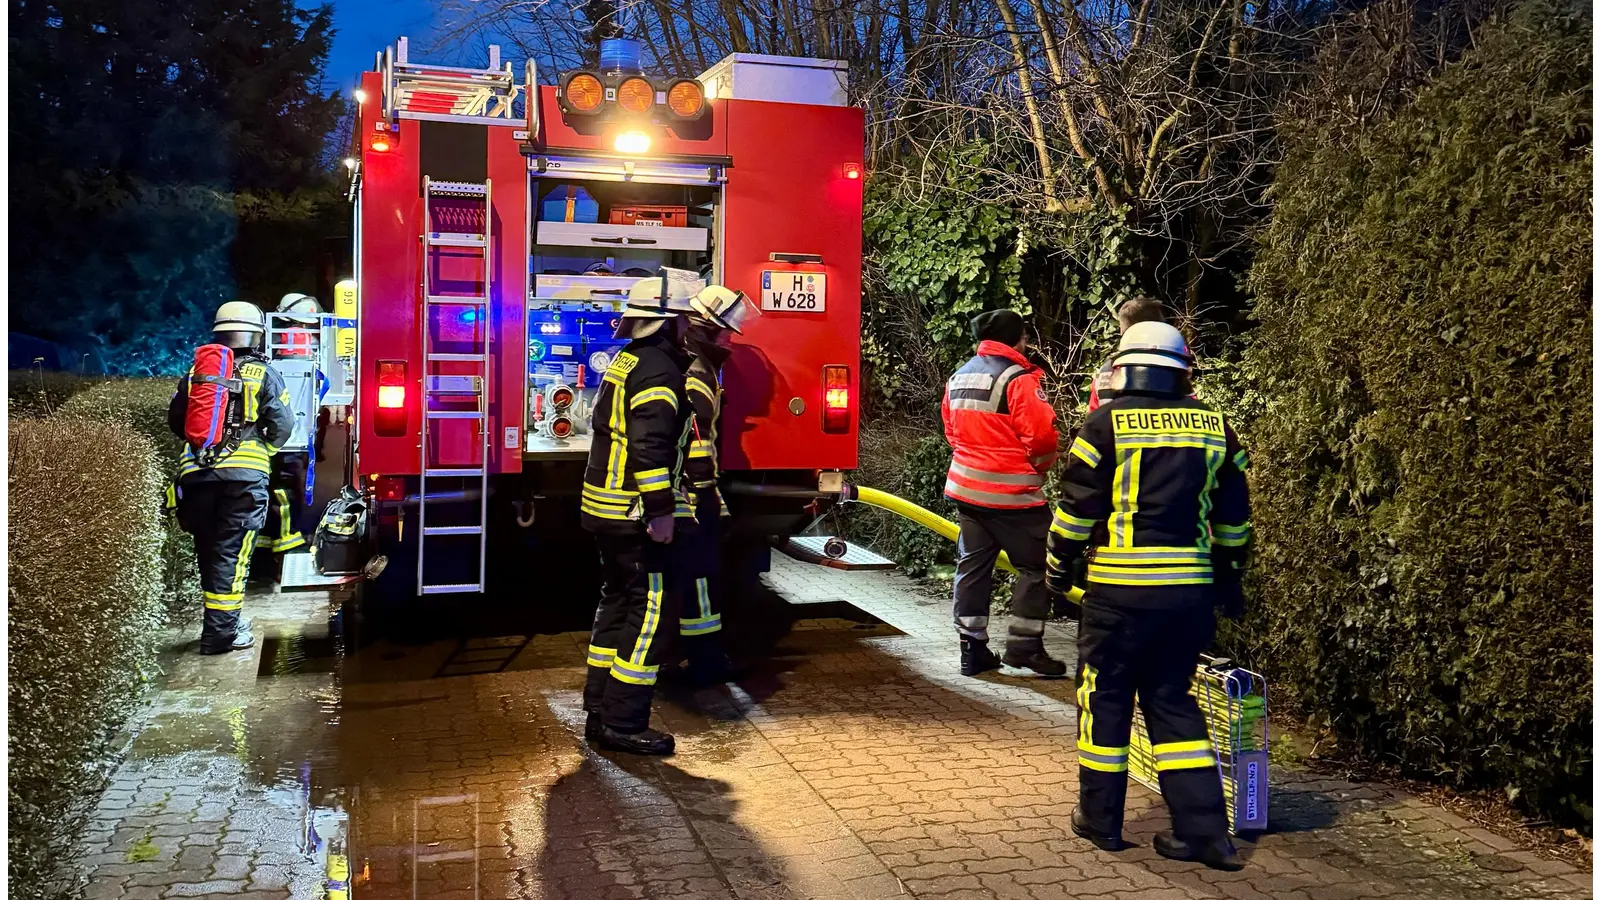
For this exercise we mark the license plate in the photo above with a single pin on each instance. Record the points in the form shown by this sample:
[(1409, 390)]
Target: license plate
[(794, 292)]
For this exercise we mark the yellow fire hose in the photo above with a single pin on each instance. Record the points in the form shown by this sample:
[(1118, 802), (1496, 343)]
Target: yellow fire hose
[(933, 522)]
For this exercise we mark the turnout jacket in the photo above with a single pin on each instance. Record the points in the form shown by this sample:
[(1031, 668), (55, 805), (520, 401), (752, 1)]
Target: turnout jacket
[(704, 392), (641, 423), (268, 423), (1001, 430), (1154, 493)]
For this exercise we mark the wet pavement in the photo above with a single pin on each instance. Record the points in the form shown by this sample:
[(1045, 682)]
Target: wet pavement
[(849, 762)]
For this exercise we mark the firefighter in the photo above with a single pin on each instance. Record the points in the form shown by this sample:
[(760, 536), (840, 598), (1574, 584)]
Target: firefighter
[(1003, 435), (222, 501), (290, 470), (716, 314), (631, 496), (1155, 484), (1130, 313)]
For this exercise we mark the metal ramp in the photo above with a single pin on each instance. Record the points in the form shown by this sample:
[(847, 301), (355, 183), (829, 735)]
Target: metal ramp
[(456, 217)]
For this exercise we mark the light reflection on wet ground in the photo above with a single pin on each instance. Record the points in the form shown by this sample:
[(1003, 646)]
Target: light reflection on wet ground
[(849, 762)]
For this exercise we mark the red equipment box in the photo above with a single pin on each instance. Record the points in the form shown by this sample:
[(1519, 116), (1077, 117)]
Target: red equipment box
[(645, 214)]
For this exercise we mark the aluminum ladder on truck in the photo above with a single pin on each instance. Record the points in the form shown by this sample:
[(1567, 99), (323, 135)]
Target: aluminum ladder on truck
[(455, 387)]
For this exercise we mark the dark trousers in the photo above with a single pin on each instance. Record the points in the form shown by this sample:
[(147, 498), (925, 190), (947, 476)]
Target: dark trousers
[(1021, 533), (633, 621), (697, 579), (288, 504), (224, 517), (1123, 651)]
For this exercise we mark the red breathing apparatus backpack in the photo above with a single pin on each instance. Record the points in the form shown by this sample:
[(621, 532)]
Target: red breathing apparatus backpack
[(215, 413)]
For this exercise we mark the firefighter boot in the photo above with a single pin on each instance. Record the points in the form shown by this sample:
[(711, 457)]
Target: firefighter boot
[(708, 662), (1030, 654), (591, 728), (976, 657), (648, 742), (243, 639), (1217, 853), (1080, 827)]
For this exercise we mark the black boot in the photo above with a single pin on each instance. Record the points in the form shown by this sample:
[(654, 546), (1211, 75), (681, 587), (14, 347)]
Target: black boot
[(976, 657), (243, 639), (648, 742), (1023, 656), (1080, 827), (708, 663), (1217, 853), (591, 728)]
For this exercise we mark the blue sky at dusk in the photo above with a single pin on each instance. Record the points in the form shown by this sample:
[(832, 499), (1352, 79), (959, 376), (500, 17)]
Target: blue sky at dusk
[(366, 27)]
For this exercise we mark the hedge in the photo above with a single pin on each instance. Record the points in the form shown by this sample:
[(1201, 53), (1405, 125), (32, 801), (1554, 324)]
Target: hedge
[(31, 393), (1422, 465), (85, 603), (141, 403)]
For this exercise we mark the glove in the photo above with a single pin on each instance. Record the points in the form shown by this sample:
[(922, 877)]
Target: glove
[(1228, 594), (660, 529)]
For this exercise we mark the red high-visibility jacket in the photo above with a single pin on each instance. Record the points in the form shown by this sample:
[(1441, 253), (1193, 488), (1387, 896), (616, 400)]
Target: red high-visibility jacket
[(1001, 429)]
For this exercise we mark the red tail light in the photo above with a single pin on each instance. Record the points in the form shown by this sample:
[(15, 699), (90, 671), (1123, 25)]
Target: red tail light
[(391, 418), (389, 487), (835, 399)]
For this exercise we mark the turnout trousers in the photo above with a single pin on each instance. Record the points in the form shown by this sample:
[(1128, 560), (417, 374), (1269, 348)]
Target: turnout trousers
[(1152, 652), (629, 628), (288, 505), (697, 578), (1021, 533), (224, 516)]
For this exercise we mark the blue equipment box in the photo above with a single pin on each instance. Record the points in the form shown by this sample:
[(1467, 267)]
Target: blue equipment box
[(565, 336), (569, 203)]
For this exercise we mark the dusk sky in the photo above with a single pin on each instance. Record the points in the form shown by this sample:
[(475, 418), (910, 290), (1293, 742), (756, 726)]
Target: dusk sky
[(366, 27)]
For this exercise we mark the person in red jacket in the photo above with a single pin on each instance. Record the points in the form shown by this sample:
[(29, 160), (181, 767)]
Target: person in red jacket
[(1003, 434)]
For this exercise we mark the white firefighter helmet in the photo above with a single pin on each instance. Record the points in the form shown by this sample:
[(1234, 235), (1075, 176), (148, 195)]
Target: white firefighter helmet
[(299, 303), (1154, 344), (723, 307), (645, 301), (239, 315)]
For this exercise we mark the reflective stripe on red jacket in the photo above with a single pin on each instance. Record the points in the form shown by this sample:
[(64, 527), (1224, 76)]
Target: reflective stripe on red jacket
[(1001, 430)]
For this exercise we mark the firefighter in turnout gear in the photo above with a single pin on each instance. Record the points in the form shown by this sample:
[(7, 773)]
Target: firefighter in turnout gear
[(287, 503), (1155, 511), (715, 314), (1003, 435), (631, 495), (222, 498)]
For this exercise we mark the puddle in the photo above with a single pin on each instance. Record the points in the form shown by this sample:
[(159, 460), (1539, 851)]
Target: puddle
[(295, 654)]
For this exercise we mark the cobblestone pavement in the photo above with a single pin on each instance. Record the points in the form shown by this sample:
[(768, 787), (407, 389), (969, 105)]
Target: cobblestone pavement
[(850, 762)]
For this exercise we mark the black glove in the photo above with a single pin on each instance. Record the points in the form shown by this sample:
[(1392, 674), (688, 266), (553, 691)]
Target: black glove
[(1228, 594)]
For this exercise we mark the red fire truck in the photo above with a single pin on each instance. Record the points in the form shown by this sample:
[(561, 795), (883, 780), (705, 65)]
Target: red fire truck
[(498, 228)]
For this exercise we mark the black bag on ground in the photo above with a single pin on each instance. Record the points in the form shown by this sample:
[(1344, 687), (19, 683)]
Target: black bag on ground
[(342, 534)]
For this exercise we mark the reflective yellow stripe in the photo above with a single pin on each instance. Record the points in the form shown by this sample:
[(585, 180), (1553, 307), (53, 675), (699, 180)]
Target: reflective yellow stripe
[(617, 459), (241, 566), (1071, 527), (703, 625), (1231, 535), (1152, 576), (224, 602), (1096, 757), (651, 395), (1085, 451), (1126, 501), (653, 479), (652, 617), (625, 671), (1183, 755), (1241, 461), (1151, 556), (601, 657)]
